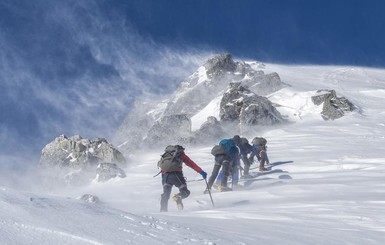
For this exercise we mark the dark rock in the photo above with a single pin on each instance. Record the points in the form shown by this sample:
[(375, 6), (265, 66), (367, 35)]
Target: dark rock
[(172, 129), (107, 171), (333, 107), (220, 65), (241, 105), (90, 198), (73, 160), (210, 131)]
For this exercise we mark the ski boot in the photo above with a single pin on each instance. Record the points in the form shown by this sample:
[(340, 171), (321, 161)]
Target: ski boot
[(262, 168), (178, 199)]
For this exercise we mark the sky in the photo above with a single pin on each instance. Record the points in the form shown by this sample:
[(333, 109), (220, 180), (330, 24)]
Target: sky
[(325, 184), (322, 32), (75, 67)]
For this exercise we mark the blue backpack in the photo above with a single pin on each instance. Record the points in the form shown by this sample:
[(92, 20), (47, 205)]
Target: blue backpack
[(230, 147)]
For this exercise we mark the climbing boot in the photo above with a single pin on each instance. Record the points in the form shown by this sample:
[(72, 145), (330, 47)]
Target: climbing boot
[(178, 199)]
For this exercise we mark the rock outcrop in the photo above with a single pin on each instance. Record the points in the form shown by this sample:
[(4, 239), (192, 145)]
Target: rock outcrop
[(75, 159), (241, 105), (210, 131), (172, 129), (90, 198), (220, 65), (147, 119), (197, 90), (333, 107), (106, 171)]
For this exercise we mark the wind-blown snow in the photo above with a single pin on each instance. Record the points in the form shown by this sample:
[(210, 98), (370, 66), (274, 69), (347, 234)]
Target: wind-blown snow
[(202, 74), (326, 185), (296, 105), (212, 109)]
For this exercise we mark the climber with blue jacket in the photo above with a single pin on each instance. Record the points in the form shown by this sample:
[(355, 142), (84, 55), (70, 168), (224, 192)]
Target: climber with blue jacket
[(227, 160)]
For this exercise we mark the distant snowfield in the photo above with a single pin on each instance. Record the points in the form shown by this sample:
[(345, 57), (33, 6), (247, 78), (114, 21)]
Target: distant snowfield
[(326, 184)]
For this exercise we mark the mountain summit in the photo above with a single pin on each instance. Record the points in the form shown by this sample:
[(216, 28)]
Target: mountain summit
[(214, 84)]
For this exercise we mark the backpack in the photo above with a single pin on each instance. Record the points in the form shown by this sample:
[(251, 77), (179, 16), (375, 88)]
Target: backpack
[(218, 150), (244, 146), (259, 141), (244, 141), (171, 160), (231, 148)]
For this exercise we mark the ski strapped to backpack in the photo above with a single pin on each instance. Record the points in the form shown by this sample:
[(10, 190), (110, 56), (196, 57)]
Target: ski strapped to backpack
[(171, 160)]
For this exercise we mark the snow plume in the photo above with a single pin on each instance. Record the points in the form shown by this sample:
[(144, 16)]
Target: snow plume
[(75, 67), (18, 173)]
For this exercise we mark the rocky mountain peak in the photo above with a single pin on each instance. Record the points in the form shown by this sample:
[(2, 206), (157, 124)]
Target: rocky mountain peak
[(196, 92), (219, 65)]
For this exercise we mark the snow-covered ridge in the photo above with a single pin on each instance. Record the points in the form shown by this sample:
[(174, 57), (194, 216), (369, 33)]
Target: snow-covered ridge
[(201, 96)]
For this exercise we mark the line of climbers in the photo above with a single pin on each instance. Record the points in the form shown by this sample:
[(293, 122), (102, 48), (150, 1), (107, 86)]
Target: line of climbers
[(228, 154), (227, 163)]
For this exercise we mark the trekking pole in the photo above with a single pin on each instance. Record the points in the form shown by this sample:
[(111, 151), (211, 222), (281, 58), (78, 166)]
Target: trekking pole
[(194, 180), (156, 174), (208, 189)]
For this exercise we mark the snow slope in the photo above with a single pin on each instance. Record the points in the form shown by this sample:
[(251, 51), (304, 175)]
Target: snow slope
[(326, 184)]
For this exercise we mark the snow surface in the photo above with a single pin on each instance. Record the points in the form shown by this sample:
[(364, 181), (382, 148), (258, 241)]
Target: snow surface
[(212, 109), (326, 186)]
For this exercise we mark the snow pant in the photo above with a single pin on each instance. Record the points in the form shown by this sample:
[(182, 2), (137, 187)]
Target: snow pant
[(233, 172), (224, 162), (261, 155), (168, 181), (246, 164)]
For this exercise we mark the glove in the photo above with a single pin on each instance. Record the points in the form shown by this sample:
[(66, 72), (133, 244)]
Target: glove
[(204, 174)]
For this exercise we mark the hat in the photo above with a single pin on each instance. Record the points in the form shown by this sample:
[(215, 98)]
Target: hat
[(237, 139)]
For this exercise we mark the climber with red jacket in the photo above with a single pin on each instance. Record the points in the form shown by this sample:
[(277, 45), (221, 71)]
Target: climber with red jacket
[(171, 164)]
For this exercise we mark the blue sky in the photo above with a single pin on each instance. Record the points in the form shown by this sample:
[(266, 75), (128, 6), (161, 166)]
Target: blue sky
[(76, 66), (299, 31)]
